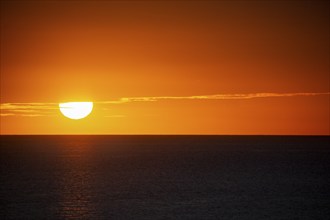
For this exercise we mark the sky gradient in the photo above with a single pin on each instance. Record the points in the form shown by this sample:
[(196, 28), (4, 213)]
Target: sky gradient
[(157, 67)]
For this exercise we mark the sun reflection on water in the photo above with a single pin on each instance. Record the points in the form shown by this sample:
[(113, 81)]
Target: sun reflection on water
[(75, 194)]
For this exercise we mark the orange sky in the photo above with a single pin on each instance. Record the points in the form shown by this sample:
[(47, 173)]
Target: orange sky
[(157, 67)]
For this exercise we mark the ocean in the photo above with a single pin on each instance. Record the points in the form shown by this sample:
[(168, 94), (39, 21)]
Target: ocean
[(165, 177)]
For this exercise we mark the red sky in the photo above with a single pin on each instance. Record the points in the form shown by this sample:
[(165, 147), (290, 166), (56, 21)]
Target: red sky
[(258, 67)]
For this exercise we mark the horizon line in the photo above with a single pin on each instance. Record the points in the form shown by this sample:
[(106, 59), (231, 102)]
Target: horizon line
[(165, 134)]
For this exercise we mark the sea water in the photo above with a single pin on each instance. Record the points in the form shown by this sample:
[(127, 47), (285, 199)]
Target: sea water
[(165, 177)]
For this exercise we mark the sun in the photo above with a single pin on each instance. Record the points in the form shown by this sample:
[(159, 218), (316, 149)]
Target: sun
[(76, 110)]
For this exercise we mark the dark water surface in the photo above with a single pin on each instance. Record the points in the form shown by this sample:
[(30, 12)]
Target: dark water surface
[(165, 177)]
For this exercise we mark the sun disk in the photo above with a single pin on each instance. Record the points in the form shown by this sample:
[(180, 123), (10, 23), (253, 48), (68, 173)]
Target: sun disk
[(76, 110)]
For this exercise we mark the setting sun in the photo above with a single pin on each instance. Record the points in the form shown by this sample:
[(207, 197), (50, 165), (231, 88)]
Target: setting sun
[(76, 110)]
